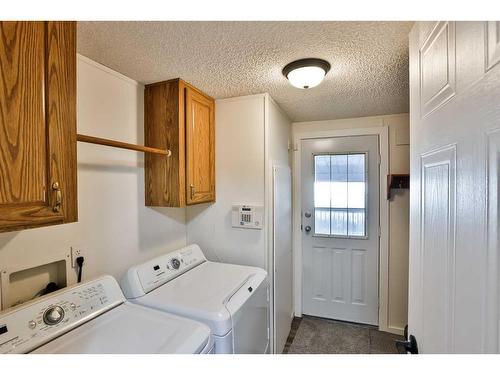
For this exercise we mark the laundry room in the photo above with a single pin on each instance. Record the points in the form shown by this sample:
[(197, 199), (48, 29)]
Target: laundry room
[(178, 180), (174, 192)]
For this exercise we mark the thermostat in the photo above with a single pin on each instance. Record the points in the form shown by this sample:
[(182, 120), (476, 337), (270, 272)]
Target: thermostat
[(247, 216)]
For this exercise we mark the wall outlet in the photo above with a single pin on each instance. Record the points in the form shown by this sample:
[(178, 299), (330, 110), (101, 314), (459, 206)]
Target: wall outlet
[(75, 253)]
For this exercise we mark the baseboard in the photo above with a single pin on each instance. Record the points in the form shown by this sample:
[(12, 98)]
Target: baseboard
[(396, 330)]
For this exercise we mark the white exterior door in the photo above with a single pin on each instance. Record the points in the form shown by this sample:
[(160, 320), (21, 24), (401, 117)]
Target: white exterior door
[(455, 155), (340, 227)]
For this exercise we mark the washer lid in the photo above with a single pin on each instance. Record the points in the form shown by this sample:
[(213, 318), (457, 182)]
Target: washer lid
[(132, 329), (202, 293)]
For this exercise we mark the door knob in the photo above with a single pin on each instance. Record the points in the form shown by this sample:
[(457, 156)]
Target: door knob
[(308, 228)]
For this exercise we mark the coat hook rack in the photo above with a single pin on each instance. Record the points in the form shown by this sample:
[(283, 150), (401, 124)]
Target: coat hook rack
[(118, 144)]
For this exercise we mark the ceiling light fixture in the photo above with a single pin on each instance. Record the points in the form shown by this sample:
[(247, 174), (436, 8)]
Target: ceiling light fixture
[(306, 73)]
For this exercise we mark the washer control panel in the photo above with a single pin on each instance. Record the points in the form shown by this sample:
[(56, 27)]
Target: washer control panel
[(160, 270), (30, 325)]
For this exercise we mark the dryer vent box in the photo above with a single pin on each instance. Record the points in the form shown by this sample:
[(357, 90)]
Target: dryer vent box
[(247, 216)]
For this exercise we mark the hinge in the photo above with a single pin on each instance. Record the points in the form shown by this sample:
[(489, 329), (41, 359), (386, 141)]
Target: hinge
[(379, 231), (379, 159)]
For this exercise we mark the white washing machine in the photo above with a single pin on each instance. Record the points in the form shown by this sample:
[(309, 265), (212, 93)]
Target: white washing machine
[(232, 300), (95, 318)]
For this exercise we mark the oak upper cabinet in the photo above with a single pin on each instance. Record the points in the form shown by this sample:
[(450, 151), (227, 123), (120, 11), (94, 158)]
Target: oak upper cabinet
[(181, 118), (37, 124)]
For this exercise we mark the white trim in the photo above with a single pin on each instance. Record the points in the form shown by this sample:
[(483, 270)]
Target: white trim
[(242, 98), (383, 133), (395, 330), (268, 204)]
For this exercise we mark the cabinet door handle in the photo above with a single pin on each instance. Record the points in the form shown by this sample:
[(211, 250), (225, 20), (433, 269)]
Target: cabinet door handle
[(192, 190), (57, 189)]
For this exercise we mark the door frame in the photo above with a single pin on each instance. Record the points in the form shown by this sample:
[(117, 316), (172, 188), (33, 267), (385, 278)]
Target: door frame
[(383, 135)]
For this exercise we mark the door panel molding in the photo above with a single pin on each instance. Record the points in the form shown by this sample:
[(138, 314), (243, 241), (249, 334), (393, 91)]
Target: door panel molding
[(358, 285), (437, 231), (437, 68), (492, 326), (492, 43), (338, 275), (320, 261)]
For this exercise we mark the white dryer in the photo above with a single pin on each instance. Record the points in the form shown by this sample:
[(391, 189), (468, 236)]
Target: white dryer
[(232, 300), (95, 318)]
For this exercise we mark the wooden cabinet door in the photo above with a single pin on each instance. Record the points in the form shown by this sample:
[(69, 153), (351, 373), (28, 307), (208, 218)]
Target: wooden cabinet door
[(200, 148), (37, 124)]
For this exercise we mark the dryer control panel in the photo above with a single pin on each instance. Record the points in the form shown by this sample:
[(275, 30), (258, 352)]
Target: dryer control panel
[(33, 324), (148, 276)]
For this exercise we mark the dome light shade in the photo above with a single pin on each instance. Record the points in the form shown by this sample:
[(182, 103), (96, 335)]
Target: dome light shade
[(306, 73)]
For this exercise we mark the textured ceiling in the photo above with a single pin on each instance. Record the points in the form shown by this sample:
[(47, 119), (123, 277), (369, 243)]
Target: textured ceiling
[(369, 74)]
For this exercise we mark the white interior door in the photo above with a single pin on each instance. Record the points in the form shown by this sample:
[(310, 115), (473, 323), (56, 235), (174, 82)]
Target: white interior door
[(282, 244), (455, 143), (340, 227)]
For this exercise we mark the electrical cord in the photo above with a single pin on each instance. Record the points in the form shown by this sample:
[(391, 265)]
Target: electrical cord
[(51, 287), (79, 262)]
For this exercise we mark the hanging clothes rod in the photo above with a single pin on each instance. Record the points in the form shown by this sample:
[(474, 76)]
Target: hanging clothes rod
[(128, 146)]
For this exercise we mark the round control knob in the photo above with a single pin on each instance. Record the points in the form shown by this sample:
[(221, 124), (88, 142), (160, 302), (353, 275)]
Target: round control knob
[(175, 263), (32, 324), (53, 315), (72, 306)]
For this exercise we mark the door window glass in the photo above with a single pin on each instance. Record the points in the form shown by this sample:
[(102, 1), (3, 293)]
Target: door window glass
[(340, 195)]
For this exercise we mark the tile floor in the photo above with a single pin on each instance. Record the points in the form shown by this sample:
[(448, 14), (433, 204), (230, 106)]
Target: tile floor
[(311, 335)]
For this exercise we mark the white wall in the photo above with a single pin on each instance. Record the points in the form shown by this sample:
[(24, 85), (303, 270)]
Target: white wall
[(239, 171), (251, 134), (114, 228), (397, 311)]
